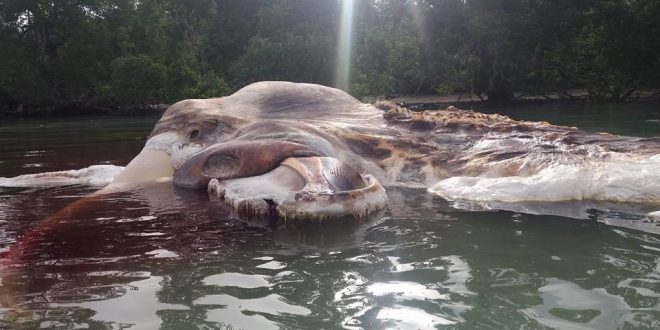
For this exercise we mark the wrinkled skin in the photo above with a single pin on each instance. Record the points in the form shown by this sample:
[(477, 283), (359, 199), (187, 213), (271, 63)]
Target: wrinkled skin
[(272, 148), (253, 149)]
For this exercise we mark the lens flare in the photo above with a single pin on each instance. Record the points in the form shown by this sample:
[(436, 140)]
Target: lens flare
[(343, 74)]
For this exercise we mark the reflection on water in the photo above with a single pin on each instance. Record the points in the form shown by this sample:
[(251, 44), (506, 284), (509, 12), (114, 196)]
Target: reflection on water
[(565, 304), (141, 296), (183, 260), (245, 313), (163, 258)]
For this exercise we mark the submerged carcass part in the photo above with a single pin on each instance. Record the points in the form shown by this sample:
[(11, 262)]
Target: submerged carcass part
[(304, 188), (152, 163), (654, 216)]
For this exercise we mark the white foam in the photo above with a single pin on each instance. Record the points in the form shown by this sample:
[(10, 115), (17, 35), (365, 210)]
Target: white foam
[(95, 175), (622, 178)]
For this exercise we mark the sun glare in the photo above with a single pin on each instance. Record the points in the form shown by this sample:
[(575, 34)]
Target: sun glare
[(343, 73)]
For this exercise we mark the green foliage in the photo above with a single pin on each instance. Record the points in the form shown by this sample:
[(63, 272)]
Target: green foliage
[(183, 82), (20, 78), (266, 59), (212, 86), (293, 40), (154, 51), (284, 57), (137, 79)]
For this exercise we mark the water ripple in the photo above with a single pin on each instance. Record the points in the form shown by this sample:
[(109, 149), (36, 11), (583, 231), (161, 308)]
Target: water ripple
[(566, 305)]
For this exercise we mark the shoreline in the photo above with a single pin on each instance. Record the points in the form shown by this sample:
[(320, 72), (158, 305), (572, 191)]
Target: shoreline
[(76, 110), (431, 102), (412, 102)]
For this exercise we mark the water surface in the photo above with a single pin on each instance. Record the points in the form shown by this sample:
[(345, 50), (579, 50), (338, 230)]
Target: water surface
[(159, 257)]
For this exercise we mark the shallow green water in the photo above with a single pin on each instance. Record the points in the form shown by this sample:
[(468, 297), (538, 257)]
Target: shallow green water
[(623, 119), (158, 257)]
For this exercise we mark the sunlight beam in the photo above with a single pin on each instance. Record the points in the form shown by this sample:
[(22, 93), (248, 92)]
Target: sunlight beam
[(344, 44)]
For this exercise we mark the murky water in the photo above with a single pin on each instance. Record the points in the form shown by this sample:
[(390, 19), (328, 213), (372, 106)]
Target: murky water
[(159, 257)]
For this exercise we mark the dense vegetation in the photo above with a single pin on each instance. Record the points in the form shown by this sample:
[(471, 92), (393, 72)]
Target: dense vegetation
[(114, 52)]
